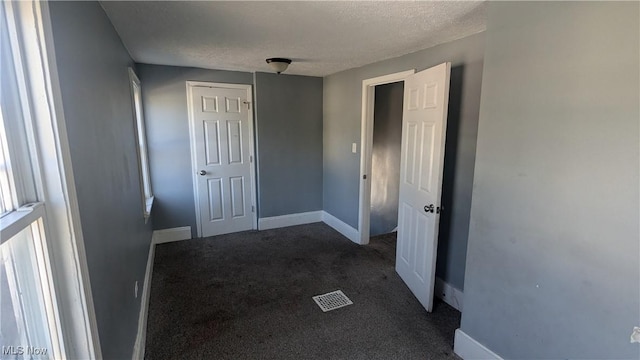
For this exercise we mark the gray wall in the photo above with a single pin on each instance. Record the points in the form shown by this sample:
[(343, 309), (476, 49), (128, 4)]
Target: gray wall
[(342, 116), (288, 115), (553, 257), (289, 123), (385, 157), (92, 66), (164, 95)]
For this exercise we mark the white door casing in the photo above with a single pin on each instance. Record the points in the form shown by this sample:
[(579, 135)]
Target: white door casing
[(222, 157), (366, 147), (424, 120)]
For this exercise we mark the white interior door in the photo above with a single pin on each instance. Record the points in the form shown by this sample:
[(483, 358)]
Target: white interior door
[(424, 120), (222, 151)]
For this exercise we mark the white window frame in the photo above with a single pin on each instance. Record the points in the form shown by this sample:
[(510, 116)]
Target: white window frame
[(141, 139), (49, 168), (6, 193), (32, 217)]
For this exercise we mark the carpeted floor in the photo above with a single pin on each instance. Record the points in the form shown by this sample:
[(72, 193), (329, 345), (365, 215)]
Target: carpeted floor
[(249, 296)]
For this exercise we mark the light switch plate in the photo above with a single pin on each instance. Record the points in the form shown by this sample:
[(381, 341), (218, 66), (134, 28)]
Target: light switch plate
[(354, 148)]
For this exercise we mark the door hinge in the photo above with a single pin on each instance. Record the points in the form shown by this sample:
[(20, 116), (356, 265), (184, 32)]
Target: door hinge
[(250, 158), (253, 208), (248, 103), (364, 177)]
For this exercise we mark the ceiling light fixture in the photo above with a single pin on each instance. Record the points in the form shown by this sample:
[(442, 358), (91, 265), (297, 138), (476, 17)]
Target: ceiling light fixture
[(279, 64)]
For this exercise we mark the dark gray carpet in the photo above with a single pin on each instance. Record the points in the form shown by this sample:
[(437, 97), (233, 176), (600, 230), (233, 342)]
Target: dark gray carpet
[(248, 296)]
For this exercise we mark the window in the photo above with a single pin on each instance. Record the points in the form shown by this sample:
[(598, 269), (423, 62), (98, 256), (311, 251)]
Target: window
[(29, 325), (143, 157), (28, 317), (46, 308)]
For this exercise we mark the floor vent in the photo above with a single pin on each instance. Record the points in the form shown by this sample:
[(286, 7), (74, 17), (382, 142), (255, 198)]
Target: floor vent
[(333, 300)]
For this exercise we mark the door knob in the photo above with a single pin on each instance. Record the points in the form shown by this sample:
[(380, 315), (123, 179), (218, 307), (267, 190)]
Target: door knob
[(428, 208), (203, 173)]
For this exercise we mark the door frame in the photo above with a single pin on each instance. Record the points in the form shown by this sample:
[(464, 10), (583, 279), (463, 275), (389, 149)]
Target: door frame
[(366, 147), (192, 146)]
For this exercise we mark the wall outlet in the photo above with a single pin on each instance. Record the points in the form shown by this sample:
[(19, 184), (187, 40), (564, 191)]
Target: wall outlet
[(135, 290)]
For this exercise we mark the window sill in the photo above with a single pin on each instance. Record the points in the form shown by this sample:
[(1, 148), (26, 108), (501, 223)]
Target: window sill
[(147, 209)]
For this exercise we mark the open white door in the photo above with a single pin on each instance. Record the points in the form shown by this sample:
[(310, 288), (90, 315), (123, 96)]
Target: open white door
[(424, 123), (222, 152)]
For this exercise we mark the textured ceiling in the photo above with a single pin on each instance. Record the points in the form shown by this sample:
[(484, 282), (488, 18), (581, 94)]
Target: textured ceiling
[(322, 38)]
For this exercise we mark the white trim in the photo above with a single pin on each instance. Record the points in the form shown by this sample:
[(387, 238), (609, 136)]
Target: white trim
[(173, 234), (139, 347), (254, 123), (275, 222), (141, 144), (469, 349), (449, 294), (16, 221), (366, 142), (148, 204), (193, 151), (341, 227), (192, 146)]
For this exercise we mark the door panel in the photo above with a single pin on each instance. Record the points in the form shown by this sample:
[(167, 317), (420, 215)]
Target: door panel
[(410, 153), (210, 104), (430, 96), (234, 139), (215, 198), (404, 227), (212, 142), (233, 105), (420, 263), (221, 155), (237, 197), (428, 141), (424, 123)]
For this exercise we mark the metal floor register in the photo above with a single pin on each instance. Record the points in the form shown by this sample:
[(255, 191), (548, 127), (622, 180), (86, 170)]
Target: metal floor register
[(333, 300)]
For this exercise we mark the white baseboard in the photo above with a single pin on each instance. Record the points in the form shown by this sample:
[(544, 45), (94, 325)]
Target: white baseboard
[(341, 227), (275, 222), (139, 347), (469, 349), (173, 234), (449, 294)]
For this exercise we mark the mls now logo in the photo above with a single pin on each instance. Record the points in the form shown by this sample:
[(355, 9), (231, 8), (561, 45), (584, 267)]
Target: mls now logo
[(24, 350)]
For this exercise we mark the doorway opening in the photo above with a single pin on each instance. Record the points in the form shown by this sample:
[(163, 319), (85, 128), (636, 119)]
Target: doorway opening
[(366, 154), (423, 128), (385, 158)]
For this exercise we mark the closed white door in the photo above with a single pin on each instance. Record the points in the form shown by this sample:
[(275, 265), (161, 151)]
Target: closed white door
[(222, 151), (424, 123)]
